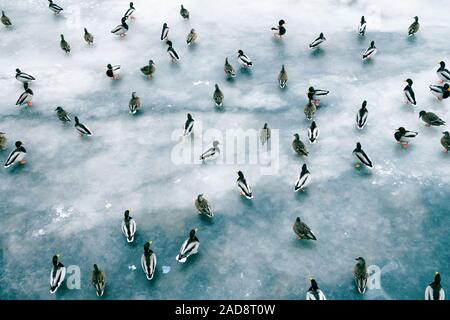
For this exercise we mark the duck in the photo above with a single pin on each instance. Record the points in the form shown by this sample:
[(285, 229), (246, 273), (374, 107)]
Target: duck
[(5, 20), (303, 180), (98, 280), (302, 230), (313, 133), (184, 12), (440, 92), (434, 290), (362, 26), (191, 37), (121, 29), (81, 128), (445, 141), (360, 274), (129, 13), (164, 32), (3, 141), (243, 186), (203, 207), (65, 46), (265, 133), (88, 37), (113, 72), (280, 30), (189, 247), (148, 261), (62, 114), (218, 96), (361, 116), (54, 7), (17, 155), (135, 103), (26, 97), (317, 42), (24, 77), (229, 70), (212, 153), (314, 293), (282, 77), (149, 69), (317, 94), (362, 157), (442, 73), (409, 92), (172, 52), (403, 136), (431, 119), (128, 226), (244, 60), (370, 51), (189, 125), (310, 108), (414, 27), (57, 274), (299, 146)]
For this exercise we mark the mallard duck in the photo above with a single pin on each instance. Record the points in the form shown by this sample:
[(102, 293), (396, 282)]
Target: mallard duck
[(88, 37), (302, 230), (98, 280), (149, 69), (203, 207), (299, 146)]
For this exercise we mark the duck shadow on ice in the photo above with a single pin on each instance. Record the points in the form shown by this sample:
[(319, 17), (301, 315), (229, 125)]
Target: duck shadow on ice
[(303, 244), (246, 72), (317, 53)]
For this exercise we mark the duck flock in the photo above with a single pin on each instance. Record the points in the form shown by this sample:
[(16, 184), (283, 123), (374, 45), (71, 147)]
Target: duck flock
[(314, 96)]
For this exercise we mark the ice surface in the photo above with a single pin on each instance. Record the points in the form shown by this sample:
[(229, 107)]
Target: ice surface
[(70, 196)]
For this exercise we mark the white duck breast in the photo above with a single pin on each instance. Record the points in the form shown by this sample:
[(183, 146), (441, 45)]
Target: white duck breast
[(83, 129), (245, 189), (24, 77), (173, 54), (361, 118), (164, 33), (129, 230), (149, 265), (188, 128), (210, 154), (318, 93), (363, 158), (121, 29), (407, 137), (244, 61), (316, 43), (429, 294), (15, 156), (443, 74), (129, 13), (188, 248), (361, 284), (410, 96), (302, 181), (437, 91), (370, 52), (54, 7), (318, 295), (313, 134), (57, 276), (25, 97), (362, 28)]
